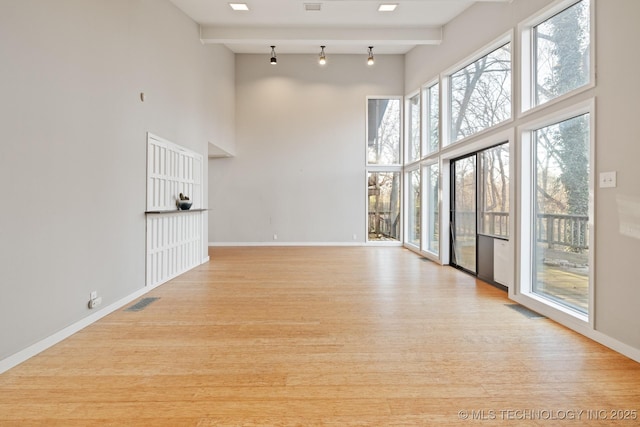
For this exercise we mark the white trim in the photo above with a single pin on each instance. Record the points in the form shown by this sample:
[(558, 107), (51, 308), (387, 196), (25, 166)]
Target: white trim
[(398, 243), (527, 72), (472, 145), (382, 168), (523, 292), (413, 248), (408, 170), (445, 89), (51, 340), (240, 244), (426, 210), (400, 99), (426, 113), (407, 126), (445, 210), (557, 116), (580, 326), (431, 257), (625, 349), (478, 143)]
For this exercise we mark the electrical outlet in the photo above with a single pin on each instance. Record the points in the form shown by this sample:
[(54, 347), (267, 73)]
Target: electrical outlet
[(275, 237), (355, 236), (94, 299), (93, 303)]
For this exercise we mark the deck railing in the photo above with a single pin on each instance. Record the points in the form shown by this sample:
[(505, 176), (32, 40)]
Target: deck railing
[(556, 230), (382, 223), (563, 230)]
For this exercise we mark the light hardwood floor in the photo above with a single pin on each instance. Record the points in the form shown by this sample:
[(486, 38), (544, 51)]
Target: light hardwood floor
[(362, 336)]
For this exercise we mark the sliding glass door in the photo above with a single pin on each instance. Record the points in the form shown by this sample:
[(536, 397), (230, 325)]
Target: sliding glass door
[(463, 213), (479, 209)]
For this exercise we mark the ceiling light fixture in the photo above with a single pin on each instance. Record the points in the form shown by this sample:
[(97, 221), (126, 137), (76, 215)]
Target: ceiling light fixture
[(274, 60), (239, 6), (387, 7), (370, 59), (313, 7), (323, 58)]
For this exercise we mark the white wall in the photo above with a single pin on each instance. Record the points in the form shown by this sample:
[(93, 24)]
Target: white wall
[(300, 142), (617, 211), (618, 149), (72, 156)]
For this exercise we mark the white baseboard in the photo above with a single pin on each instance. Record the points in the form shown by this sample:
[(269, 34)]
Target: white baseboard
[(234, 244), (581, 327), (27, 353), (622, 348), (50, 341)]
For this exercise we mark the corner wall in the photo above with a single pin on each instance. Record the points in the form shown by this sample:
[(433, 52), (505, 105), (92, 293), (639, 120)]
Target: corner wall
[(299, 169)]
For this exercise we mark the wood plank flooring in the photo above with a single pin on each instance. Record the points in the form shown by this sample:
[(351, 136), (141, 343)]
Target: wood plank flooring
[(288, 336)]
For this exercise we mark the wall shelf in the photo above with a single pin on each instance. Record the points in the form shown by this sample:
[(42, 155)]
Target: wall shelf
[(173, 211)]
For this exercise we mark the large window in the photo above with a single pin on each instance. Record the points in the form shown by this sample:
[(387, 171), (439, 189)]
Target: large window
[(432, 118), (383, 131), (561, 53), (480, 94), (557, 63), (432, 208), (561, 223), (413, 137), (557, 53), (413, 207), (384, 136), (384, 206)]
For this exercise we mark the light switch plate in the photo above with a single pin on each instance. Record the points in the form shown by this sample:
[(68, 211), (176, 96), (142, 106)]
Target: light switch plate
[(608, 179)]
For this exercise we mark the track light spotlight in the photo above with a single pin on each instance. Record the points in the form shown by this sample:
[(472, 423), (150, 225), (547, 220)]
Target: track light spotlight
[(274, 60), (323, 58)]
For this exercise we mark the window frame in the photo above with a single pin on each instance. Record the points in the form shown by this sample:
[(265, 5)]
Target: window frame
[(390, 168), (400, 162), (482, 191), (506, 135), (426, 115), (408, 117), (425, 226), (527, 61), (445, 91), (416, 167), (523, 292)]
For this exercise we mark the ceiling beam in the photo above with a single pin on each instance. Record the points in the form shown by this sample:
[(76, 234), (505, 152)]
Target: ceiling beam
[(324, 35)]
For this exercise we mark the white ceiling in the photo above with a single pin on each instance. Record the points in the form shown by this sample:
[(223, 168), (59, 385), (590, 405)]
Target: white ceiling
[(344, 26)]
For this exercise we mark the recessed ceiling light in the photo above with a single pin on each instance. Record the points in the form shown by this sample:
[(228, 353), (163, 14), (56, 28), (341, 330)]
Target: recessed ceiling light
[(239, 6), (387, 7), (313, 7)]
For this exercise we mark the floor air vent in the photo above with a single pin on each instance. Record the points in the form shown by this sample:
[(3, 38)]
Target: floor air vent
[(525, 311), (142, 304)]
